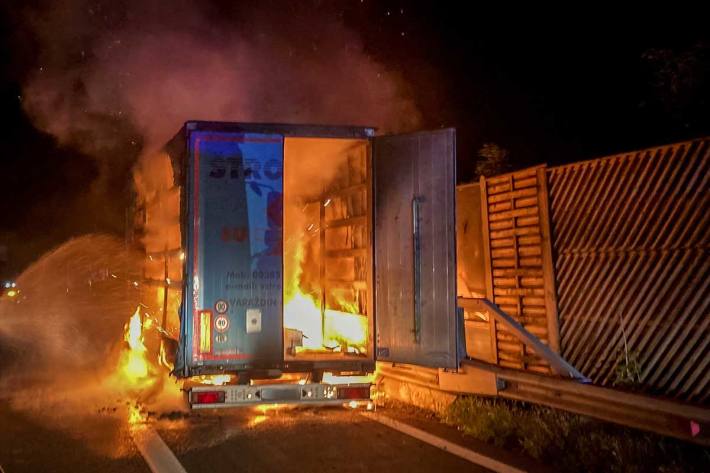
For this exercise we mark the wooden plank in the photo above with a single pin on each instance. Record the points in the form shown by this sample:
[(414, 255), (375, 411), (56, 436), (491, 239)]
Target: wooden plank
[(547, 264), (499, 189), (526, 202), (517, 272), (522, 183), (347, 222), (347, 253), (526, 211), (518, 291), (529, 250), (527, 192), (488, 262), (528, 221), (515, 232), (501, 225)]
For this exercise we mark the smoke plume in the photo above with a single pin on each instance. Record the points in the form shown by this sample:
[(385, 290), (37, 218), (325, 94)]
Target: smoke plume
[(113, 75)]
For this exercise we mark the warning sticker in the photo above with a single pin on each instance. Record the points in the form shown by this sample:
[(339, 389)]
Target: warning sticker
[(221, 306), (221, 323)]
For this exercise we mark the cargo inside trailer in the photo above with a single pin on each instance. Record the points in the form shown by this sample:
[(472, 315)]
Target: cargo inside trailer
[(327, 207)]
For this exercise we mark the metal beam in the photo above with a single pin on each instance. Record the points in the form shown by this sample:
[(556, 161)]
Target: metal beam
[(556, 362)]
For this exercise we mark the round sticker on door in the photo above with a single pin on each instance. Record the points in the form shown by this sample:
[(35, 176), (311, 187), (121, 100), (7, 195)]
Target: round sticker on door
[(221, 323), (221, 306)]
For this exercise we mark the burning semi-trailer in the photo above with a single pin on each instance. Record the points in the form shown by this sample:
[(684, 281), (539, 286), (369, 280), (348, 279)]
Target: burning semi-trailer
[(281, 257)]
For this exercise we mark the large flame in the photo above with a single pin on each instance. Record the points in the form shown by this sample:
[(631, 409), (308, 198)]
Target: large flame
[(342, 325), (331, 330), (135, 363)]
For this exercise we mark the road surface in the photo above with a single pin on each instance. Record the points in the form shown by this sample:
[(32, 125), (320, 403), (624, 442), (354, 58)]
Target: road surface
[(235, 440)]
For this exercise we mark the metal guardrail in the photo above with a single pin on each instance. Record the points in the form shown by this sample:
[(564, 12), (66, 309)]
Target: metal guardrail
[(670, 418), (661, 416), (571, 391)]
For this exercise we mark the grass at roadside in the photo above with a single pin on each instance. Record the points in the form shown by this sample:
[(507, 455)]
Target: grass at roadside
[(570, 442)]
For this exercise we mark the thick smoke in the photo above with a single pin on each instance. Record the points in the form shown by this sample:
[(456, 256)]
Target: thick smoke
[(117, 79), (116, 74)]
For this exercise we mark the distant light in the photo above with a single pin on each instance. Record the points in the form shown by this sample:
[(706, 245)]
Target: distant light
[(11, 293), (135, 283), (182, 255), (14, 285), (8, 285), (167, 280)]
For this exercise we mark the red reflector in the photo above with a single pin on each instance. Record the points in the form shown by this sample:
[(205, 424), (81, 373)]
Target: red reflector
[(360, 392), (207, 397)]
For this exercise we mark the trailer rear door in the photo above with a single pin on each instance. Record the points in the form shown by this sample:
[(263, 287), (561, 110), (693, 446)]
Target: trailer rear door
[(415, 248), (233, 301)]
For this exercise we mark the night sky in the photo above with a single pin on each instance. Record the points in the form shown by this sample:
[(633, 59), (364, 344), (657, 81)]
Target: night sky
[(550, 87)]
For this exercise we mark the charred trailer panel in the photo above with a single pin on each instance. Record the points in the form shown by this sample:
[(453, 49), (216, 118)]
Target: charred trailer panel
[(279, 228)]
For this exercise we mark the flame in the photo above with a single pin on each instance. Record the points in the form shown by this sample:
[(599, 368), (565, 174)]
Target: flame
[(163, 357), (331, 330), (215, 379), (135, 365), (135, 415), (261, 413), (302, 313)]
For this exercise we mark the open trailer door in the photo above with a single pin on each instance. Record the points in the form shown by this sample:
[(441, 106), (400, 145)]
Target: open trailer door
[(415, 248)]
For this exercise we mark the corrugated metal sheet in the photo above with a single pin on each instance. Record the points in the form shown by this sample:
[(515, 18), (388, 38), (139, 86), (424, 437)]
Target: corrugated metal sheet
[(632, 240), (415, 289), (518, 258)]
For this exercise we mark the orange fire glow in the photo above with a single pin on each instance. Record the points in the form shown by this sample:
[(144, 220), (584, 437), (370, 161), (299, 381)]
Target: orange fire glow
[(323, 312), (135, 415), (215, 379), (135, 363)]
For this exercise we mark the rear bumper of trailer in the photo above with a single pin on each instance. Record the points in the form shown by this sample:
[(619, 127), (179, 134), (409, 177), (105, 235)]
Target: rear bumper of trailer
[(202, 397)]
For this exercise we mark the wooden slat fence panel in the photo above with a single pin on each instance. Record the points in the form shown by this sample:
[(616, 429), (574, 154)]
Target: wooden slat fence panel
[(519, 263), (631, 238)]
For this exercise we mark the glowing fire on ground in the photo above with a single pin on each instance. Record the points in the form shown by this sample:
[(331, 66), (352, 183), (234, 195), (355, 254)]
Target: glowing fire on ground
[(134, 375), (260, 413), (135, 415)]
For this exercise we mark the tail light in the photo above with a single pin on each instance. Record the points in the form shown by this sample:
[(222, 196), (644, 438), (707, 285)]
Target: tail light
[(356, 392), (207, 397)]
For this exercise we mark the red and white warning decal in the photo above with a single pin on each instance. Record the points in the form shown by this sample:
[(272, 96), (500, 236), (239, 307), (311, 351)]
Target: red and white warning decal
[(221, 306), (221, 323)]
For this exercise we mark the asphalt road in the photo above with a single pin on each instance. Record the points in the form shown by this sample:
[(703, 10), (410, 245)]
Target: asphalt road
[(234, 440)]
